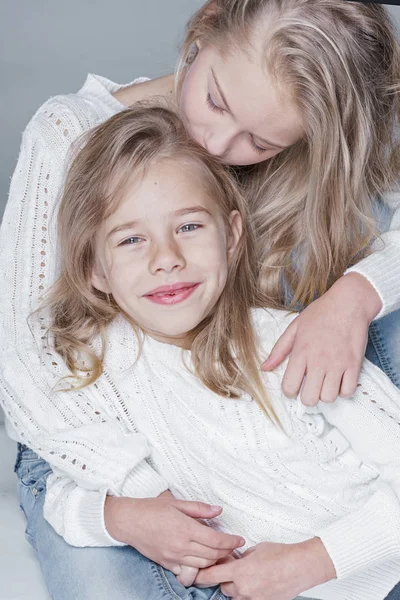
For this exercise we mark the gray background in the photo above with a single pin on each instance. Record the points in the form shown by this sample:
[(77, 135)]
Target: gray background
[(48, 46)]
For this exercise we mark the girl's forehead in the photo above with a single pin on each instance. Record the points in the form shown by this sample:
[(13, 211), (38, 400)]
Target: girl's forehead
[(257, 101), (163, 189)]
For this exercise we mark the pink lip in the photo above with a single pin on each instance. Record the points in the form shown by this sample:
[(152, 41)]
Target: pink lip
[(172, 294)]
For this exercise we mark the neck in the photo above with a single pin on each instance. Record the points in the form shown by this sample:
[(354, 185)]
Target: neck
[(183, 341), (162, 86)]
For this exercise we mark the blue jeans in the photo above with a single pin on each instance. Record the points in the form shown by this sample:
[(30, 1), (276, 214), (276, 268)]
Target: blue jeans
[(383, 347), (117, 573)]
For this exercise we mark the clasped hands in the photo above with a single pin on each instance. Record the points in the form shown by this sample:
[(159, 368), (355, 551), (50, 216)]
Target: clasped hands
[(271, 571)]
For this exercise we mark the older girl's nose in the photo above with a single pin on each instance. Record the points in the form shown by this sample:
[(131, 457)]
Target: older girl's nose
[(218, 144)]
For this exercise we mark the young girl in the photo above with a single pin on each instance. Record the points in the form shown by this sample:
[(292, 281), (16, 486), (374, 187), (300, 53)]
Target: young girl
[(155, 297), (308, 91)]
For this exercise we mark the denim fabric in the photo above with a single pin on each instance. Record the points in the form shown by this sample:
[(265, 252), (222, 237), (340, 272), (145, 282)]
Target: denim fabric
[(394, 594), (117, 573), (383, 347), (120, 573)]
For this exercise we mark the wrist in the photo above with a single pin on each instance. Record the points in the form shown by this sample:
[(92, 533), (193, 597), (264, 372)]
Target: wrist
[(316, 564), (115, 511), (360, 292)]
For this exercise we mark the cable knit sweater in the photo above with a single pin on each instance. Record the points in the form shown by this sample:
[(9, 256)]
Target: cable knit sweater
[(333, 472), (90, 447)]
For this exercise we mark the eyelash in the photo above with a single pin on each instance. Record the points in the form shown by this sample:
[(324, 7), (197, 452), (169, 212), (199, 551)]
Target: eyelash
[(135, 237), (126, 242), (211, 104), (257, 148), (195, 225)]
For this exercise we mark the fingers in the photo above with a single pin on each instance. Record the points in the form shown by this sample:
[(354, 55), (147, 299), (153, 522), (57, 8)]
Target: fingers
[(206, 552), (227, 559), (187, 575), (197, 510), (197, 562), (216, 574), (228, 589), (282, 348), (349, 382), (312, 388), (294, 375), (331, 386), (215, 539), (318, 384)]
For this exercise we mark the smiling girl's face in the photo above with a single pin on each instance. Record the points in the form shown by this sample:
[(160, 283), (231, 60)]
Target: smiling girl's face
[(233, 109), (164, 253)]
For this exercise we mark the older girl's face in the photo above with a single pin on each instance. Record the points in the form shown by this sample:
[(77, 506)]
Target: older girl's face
[(233, 109)]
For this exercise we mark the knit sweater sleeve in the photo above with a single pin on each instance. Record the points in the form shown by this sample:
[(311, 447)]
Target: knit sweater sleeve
[(382, 267), (72, 430), (76, 513), (370, 421)]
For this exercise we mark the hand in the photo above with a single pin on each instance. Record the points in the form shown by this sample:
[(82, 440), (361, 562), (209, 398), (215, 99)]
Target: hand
[(272, 571), (327, 342), (166, 531), (187, 576)]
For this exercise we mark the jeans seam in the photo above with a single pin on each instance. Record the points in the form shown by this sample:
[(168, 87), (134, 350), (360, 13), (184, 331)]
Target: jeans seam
[(159, 572), (217, 595), (380, 349)]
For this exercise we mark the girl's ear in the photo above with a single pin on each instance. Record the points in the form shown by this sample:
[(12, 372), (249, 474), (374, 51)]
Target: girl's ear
[(99, 279), (235, 231)]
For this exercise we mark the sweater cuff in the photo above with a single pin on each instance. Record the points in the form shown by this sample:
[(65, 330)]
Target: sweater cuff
[(382, 270), (365, 537), (143, 482), (84, 524)]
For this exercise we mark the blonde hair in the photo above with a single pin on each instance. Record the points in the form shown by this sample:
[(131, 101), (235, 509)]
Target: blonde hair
[(312, 204), (223, 347)]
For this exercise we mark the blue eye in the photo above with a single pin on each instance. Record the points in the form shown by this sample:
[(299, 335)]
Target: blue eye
[(211, 104), (130, 241), (189, 227)]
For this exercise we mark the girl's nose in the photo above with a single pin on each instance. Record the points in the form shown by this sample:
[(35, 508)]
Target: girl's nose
[(218, 144), (167, 257)]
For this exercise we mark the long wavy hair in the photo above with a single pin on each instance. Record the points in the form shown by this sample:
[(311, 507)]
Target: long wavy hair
[(312, 204), (223, 346)]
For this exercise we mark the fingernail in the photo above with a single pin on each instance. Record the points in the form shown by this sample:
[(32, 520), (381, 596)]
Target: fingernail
[(215, 507), (242, 542)]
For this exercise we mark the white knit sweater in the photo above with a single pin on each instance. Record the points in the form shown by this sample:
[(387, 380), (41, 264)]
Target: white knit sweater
[(334, 472), (97, 451)]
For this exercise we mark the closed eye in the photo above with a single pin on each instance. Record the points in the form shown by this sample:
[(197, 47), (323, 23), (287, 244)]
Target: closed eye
[(255, 146), (211, 104)]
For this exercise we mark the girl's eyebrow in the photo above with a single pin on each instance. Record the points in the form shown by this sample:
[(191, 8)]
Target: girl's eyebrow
[(121, 227), (224, 100), (221, 93), (192, 209), (177, 213)]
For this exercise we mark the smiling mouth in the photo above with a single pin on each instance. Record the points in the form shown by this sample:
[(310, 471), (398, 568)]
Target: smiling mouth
[(173, 295)]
